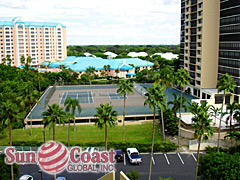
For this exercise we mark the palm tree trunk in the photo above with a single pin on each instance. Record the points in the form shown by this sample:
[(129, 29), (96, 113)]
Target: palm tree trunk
[(199, 142), (69, 134), (153, 134), (49, 135), (39, 85), (219, 128), (54, 132), (166, 96), (105, 137), (124, 105), (31, 121), (163, 129), (74, 125), (10, 143), (179, 120)]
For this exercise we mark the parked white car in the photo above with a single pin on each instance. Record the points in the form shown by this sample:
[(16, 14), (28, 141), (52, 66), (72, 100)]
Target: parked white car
[(61, 178), (26, 177), (134, 156)]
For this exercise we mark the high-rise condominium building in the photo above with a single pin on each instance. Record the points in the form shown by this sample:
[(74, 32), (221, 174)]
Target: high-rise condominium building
[(199, 43), (229, 43), (43, 41), (210, 43)]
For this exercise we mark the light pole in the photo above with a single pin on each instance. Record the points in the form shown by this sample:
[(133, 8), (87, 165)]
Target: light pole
[(43, 135), (40, 171)]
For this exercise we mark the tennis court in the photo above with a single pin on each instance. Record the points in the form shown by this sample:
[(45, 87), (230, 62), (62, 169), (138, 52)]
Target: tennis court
[(84, 97), (115, 96)]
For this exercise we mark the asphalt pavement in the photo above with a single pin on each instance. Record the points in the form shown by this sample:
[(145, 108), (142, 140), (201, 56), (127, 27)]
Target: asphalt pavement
[(179, 166)]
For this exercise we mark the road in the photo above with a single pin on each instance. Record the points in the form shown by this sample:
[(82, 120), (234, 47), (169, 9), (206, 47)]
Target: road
[(179, 166)]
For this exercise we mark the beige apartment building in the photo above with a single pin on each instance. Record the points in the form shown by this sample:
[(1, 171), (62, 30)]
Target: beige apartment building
[(43, 41)]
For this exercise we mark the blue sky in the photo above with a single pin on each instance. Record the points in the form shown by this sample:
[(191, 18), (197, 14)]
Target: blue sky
[(104, 21)]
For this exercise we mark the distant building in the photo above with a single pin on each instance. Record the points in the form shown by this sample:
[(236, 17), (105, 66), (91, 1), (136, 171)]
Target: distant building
[(167, 55), (110, 55), (137, 54), (118, 67), (43, 41)]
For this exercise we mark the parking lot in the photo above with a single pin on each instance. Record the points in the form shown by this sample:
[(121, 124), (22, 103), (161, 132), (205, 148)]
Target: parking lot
[(179, 166)]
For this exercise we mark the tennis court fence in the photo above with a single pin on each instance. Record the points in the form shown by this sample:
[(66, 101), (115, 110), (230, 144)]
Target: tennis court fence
[(139, 89)]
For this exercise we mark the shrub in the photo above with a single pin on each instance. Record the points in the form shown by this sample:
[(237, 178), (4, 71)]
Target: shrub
[(133, 175)]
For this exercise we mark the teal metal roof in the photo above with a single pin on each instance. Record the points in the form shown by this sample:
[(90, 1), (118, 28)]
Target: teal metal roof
[(34, 24), (98, 63), (6, 23), (21, 66), (19, 21), (126, 67), (131, 74)]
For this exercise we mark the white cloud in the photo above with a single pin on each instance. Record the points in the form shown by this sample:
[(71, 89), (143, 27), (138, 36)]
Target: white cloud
[(105, 21)]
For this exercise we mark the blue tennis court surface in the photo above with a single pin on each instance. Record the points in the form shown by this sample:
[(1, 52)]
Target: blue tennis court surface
[(115, 96), (84, 97)]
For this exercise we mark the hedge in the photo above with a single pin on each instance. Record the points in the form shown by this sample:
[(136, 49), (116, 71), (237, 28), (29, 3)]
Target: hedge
[(142, 147)]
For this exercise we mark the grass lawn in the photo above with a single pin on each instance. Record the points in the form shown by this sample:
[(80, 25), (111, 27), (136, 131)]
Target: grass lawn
[(141, 133)]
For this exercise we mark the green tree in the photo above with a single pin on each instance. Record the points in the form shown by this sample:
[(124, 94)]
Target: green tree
[(9, 115), (220, 166), (71, 105), (106, 68), (28, 97), (233, 135), (165, 77), (52, 116), (106, 116), (9, 60), (230, 111), (68, 117), (182, 78), (89, 71), (125, 87), (202, 125), (176, 104), (152, 99), (215, 112), (160, 178), (4, 60), (133, 175), (225, 84), (6, 169)]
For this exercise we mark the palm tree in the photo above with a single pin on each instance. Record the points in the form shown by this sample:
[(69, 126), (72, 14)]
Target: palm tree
[(68, 117), (176, 104), (225, 84), (106, 67), (9, 60), (202, 125), (71, 105), (9, 115), (182, 79), (54, 115), (152, 99), (117, 71), (106, 116), (29, 96), (165, 77), (89, 71), (4, 60), (125, 87), (215, 112), (233, 135), (230, 111)]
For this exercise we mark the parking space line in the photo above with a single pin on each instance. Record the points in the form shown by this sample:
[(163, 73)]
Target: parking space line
[(158, 153), (194, 157), (124, 160), (144, 153), (153, 161), (166, 158), (180, 158)]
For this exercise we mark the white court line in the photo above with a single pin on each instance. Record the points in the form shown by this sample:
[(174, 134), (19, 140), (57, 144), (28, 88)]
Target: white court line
[(88, 97), (124, 162), (194, 157), (180, 158), (153, 161), (61, 98), (92, 97), (166, 158)]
